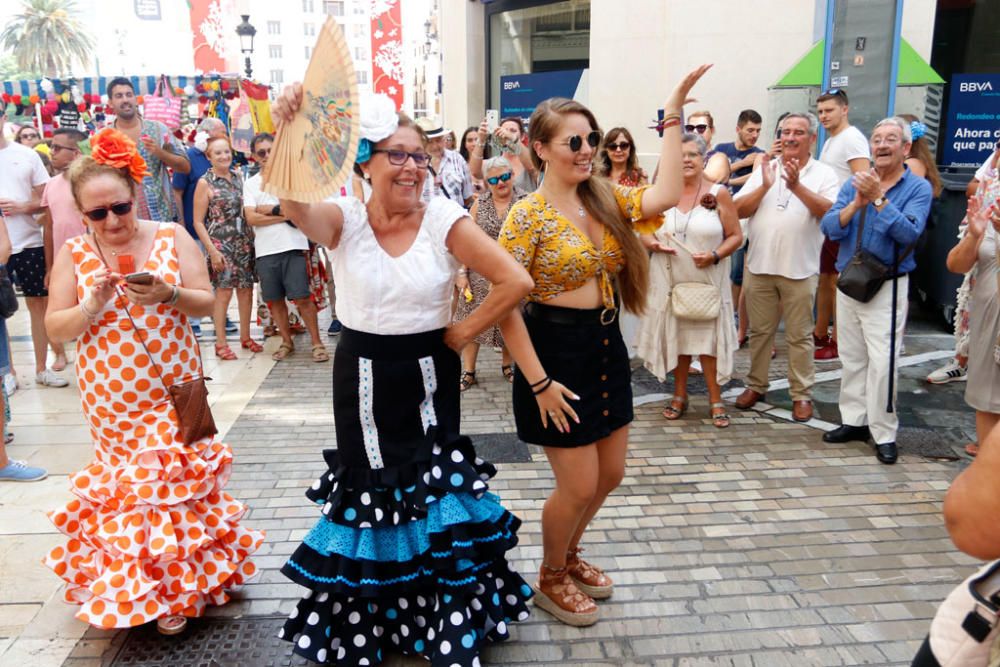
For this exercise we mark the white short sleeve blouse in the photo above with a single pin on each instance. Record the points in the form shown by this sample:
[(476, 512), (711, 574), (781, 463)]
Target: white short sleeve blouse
[(381, 294)]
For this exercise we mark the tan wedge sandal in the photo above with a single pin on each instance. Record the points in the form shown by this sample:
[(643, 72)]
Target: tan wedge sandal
[(556, 593), (589, 578)]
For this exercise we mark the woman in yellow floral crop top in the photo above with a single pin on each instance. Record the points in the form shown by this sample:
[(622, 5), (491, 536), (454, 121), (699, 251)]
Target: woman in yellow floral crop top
[(572, 394)]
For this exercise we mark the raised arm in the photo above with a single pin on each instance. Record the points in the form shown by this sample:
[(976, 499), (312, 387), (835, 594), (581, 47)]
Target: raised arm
[(667, 185)]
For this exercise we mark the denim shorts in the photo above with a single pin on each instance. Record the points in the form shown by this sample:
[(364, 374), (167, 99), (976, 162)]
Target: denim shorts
[(4, 349)]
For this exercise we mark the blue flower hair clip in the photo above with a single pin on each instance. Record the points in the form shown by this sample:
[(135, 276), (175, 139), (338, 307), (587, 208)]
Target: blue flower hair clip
[(364, 151), (917, 129)]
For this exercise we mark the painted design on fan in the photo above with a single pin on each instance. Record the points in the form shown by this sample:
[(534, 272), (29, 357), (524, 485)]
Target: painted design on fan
[(328, 142)]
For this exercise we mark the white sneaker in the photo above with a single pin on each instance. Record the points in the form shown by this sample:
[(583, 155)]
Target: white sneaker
[(10, 384), (50, 378), (950, 372)]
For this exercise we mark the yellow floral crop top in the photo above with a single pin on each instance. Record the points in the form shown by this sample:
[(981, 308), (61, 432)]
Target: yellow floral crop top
[(559, 256)]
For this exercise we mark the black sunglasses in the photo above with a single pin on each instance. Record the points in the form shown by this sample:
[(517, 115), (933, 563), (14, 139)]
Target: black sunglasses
[(621, 145), (118, 208), (398, 158), (835, 91), (575, 142), (264, 152), (700, 128), (493, 180)]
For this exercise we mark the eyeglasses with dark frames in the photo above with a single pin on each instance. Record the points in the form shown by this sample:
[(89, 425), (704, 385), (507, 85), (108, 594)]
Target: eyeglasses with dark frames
[(29, 136), (118, 208), (55, 148), (575, 142), (493, 180), (398, 158)]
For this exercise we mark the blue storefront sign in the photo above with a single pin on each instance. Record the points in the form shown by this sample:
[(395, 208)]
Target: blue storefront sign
[(973, 127), (521, 93)]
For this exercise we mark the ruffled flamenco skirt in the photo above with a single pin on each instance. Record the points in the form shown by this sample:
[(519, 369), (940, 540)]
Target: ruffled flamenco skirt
[(408, 555), (151, 532)]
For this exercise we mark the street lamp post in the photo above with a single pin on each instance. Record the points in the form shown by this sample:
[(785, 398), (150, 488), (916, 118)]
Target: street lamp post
[(246, 31)]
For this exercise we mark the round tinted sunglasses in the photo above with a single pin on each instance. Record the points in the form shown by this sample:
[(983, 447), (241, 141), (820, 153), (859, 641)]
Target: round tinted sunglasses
[(493, 180), (575, 142), (620, 146), (118, 208)]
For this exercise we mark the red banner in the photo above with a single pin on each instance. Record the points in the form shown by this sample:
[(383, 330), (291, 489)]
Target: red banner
[(213, 26), (387, 49)]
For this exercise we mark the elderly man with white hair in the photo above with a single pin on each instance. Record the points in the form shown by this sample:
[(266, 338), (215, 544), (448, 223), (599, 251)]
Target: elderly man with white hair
[(878, 217)]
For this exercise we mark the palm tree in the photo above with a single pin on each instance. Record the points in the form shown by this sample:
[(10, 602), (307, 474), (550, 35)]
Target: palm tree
[(47, 38)]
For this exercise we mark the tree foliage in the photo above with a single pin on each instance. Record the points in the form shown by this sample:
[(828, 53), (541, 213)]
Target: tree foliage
[(47, 38)]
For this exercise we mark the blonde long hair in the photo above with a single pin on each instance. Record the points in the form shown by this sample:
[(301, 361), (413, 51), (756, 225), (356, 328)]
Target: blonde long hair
[(598, 197)]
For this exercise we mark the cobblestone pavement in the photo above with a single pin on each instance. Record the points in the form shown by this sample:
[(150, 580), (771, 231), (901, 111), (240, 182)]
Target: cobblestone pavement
[(753, 546), (757, 545)]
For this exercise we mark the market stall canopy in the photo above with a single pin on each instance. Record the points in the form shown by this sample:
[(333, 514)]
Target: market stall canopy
[(808, 71), (98, 85)]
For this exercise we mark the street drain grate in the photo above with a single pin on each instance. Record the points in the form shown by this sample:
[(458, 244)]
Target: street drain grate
[(209, 643), (500, 447)]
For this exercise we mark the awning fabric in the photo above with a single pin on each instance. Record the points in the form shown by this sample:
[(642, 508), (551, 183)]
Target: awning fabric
[(808, 71)]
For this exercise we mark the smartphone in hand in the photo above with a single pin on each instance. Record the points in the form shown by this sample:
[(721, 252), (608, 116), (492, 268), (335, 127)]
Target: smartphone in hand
[(492, 120), (141, 278)]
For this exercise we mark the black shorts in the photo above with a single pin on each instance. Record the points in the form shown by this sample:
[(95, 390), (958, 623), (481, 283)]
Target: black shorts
[(27, 270), (591, 360), (283, 276)]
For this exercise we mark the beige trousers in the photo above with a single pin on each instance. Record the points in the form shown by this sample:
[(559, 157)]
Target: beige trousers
[(768, 299)]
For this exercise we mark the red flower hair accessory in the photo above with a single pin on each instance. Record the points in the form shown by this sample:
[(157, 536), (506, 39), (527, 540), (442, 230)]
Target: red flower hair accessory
[(709, 202), (114, 149)]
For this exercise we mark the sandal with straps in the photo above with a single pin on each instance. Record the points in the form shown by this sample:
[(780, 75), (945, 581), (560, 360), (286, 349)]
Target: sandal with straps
[(224, 352), (171, 625), (675, 408), (589, 578), (319, 353), (252, 345), (508, 372), (720, 419), (283, 352), (558, 594), (468, 379)]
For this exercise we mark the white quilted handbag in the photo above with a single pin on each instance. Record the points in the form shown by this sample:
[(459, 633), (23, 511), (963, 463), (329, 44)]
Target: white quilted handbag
[(966, 627), (697, 302)]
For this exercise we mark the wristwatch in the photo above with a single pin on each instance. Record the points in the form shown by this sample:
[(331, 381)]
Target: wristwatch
[(880, 201)]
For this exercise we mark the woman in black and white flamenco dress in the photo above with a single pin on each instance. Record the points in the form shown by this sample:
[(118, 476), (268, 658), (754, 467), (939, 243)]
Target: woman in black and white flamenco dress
[(409, 552)]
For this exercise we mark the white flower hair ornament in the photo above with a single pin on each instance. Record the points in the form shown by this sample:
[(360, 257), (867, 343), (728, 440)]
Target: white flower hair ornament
[(201, 140), (378, 121)]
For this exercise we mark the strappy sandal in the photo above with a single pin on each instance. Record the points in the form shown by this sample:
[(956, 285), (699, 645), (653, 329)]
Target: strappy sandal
[(319, 353), (719, 420), (675, 408), (283, 352), (171, 625), (252, 345), (558, 594), (468, 379), (224, 352), (589, 578), (508, 372)]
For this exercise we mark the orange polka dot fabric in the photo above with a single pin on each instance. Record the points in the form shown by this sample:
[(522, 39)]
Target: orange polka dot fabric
[(151, 531)]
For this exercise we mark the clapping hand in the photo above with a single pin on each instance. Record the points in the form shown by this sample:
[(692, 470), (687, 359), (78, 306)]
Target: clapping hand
[(790, 173), (976, 217), (769, 171), (867, 185)]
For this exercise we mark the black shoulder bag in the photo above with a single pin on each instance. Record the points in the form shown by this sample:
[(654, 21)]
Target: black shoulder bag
[(8, 298), (865, 273)]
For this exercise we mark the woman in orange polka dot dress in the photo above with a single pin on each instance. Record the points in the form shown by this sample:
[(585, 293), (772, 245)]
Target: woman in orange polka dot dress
[(152, 535)]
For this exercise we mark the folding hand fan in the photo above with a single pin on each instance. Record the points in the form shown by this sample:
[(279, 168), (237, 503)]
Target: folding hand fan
[(313, 155)]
